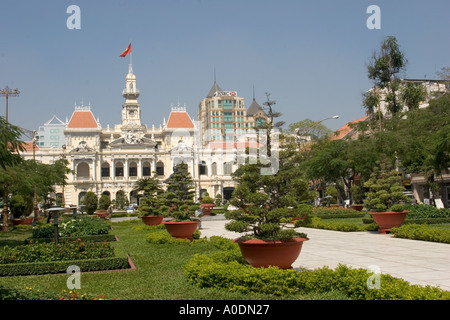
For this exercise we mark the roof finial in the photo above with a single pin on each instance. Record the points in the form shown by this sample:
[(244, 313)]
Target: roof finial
[(253, 93), (214, 74)]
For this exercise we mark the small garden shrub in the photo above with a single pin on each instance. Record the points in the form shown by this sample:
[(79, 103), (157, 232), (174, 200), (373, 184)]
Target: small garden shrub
[(162, 237), (318, 223), (81, 226), (218, 272), (421, 232), (423, 211)]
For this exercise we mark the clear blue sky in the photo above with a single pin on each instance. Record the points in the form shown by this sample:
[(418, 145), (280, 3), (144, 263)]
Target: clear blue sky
[(310, 55)]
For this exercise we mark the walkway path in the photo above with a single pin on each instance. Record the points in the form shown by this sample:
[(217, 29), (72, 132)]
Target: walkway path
[(418, 262)]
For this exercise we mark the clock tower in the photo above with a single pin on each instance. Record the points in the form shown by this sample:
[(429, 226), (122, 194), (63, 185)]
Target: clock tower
[(131, 112)]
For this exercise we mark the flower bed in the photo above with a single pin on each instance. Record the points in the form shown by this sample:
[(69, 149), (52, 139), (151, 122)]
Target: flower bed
[(81, 226)]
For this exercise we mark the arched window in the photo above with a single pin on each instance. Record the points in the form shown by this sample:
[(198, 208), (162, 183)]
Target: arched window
[(132, 169), (227, 168), (105, 170), (146, 169), (83, 171), (214, 168), (202, 168), (160, 168), (119, 169)]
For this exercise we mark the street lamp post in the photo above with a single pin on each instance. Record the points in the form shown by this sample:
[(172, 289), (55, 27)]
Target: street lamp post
[(7, 92)]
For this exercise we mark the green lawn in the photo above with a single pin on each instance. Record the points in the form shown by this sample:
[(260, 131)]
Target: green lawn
[(159, 274)]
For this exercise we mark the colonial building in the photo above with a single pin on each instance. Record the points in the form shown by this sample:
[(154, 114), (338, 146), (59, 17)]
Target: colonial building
[(106, 160)]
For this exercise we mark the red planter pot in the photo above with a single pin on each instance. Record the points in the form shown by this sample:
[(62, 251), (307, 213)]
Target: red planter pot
[(388, 219), (357, 207), (182, 229), (265, 253), (207, 208), (102, 214), (152, 220)]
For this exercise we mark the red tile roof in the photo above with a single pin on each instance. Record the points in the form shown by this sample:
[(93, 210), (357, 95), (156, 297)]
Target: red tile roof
[(28, 146), (344, 130), (82, 119), (179, 119)]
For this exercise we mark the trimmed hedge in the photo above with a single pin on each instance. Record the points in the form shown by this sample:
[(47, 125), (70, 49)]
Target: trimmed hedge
[(318, 223), (212, 272), (94, 238), (36, 268), (421, 232)]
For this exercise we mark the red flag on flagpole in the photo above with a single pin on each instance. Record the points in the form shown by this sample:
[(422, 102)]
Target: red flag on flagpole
[(127, 51)]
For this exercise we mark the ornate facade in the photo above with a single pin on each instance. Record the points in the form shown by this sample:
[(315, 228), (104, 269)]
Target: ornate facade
[(106, 160)]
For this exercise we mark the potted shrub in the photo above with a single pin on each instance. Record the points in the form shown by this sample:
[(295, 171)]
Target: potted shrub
[(269, 238), (178, 202), (207, 205), (150, 206), (357, 198), (385, 197)]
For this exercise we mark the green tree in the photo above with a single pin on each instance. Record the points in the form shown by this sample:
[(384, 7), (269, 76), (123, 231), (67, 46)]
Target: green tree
[(268, 202), (10, 145), (383, 69), (104, 202), (121, 200), (178, 198), (91, 202), (150, 202), (423, 140)]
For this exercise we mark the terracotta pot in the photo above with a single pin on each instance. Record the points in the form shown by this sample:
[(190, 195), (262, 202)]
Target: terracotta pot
[(357, 207), (265, 253), (152, 220), (102, 214), (16, 222), (207, 208), (388, 219), (181, 229)]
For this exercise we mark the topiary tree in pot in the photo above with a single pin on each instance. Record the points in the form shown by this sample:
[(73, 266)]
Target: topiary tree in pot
[(385, 198), (151, 207), (178, 200), (357, 198), (267, 204), (207, 205)]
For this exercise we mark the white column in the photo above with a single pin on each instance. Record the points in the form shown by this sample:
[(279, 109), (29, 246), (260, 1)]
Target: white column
[(139, 175), (113, 170), (126, 169), (73, 169), (94, 169)]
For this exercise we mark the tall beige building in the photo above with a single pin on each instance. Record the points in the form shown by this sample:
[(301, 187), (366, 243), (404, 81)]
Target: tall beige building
[(223, 116)]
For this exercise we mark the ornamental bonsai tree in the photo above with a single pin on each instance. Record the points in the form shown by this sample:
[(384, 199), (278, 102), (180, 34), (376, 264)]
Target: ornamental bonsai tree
[(385, 189), (150, 202), (178, 199), (267, 203)]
